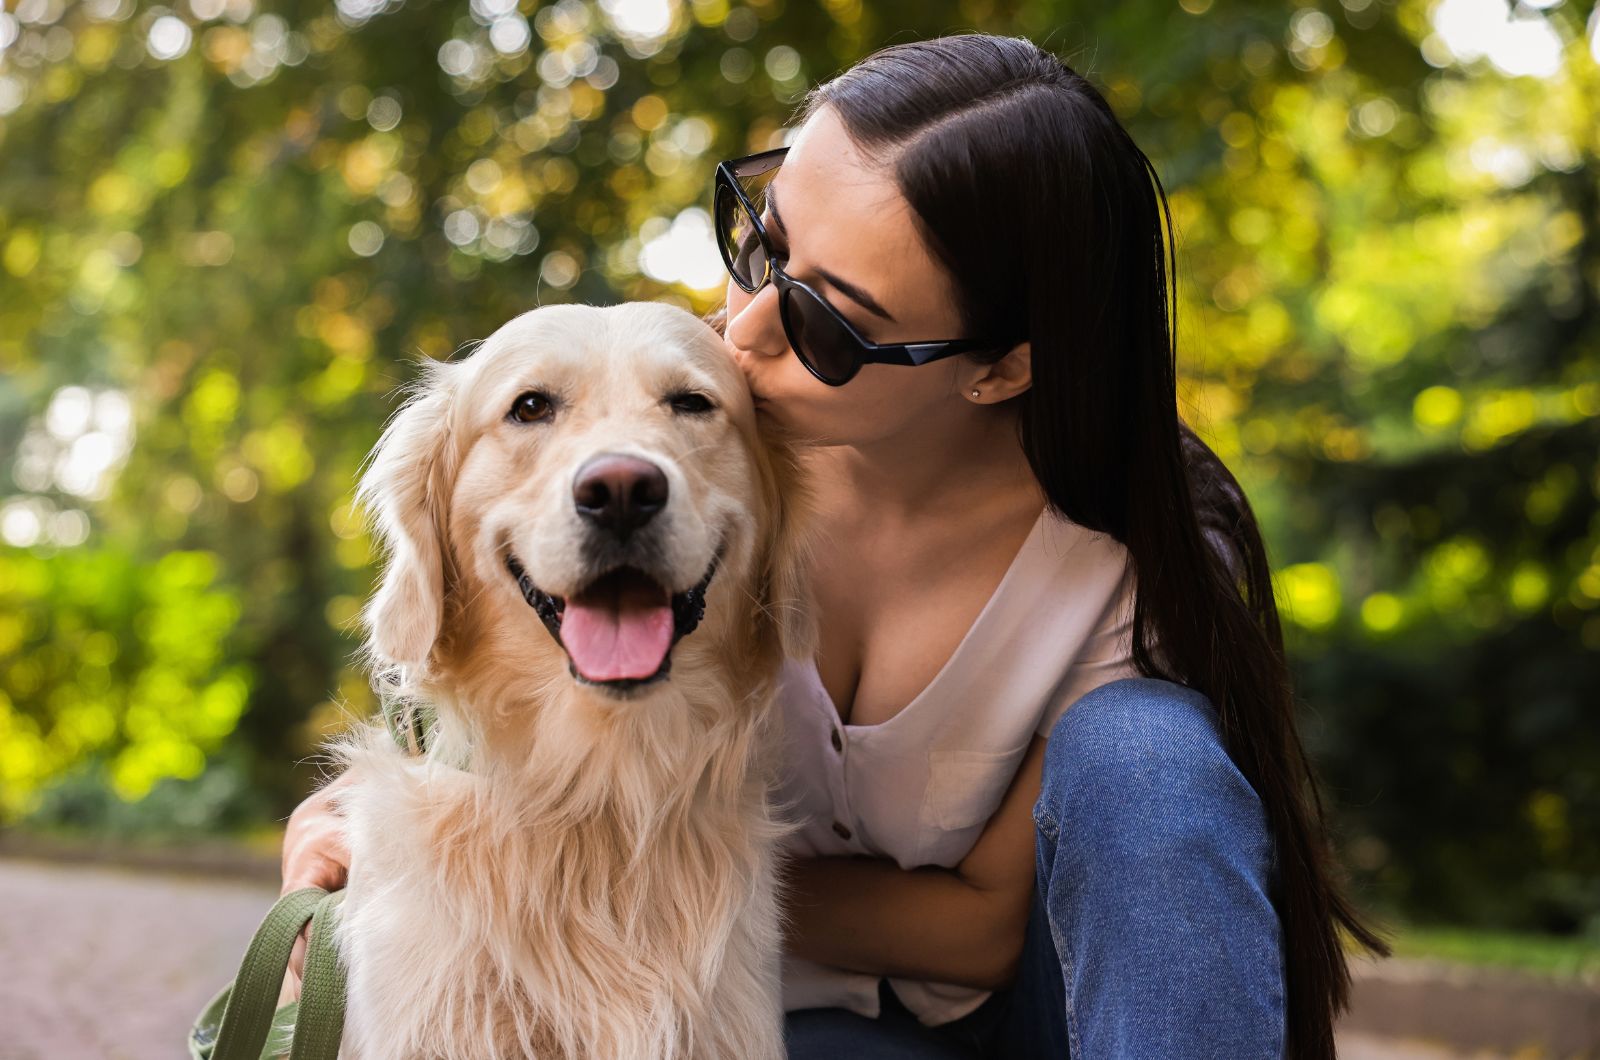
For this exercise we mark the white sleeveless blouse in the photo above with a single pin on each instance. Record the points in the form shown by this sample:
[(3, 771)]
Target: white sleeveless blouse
[(920, 786)]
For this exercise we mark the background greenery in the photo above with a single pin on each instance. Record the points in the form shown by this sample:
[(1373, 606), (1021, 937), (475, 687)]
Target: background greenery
[(227, 229)]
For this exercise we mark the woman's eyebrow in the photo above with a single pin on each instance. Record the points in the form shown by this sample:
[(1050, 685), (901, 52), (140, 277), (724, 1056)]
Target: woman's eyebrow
[(772, 204), (857, 295), (849, 290)]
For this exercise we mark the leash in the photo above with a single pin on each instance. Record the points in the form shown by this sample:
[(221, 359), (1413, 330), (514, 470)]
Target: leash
[(410, 724), (240, 1022)]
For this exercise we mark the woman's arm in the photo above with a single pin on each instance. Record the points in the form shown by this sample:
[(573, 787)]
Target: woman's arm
[(963, 925)]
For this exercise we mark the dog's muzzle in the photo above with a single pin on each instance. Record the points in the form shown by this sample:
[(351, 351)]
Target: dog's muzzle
[(619, 624)]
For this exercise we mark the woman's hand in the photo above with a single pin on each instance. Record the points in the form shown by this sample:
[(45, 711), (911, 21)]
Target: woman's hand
[(314, 855)]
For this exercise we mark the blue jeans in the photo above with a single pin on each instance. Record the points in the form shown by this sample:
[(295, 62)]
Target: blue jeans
[(1152, 932)]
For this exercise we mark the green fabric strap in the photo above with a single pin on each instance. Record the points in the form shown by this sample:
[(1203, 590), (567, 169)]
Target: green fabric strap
[(410, 724), (239, 1023), (319, 1023), (254, 996)]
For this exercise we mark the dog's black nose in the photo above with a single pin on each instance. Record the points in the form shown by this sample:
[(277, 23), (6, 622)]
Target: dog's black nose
[(619, 493)]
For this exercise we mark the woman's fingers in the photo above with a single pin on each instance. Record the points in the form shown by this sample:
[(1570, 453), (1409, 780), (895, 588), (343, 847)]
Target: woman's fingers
[(314, 850), (324, 863), (297, 961), (314, 855)]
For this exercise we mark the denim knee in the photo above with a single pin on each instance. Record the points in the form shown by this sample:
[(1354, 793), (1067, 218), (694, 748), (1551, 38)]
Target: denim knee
[(1116, 750), (1157, 864)]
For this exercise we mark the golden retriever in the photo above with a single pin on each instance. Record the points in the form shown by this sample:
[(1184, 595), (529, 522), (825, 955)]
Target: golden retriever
[(594, 571)]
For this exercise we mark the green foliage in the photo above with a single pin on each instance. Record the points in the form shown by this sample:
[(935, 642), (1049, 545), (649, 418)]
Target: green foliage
[(227, 229), (222, 799), (113, 659)]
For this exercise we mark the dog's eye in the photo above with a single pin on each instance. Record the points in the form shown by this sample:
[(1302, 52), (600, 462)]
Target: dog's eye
[(691, 402), (530, 407)]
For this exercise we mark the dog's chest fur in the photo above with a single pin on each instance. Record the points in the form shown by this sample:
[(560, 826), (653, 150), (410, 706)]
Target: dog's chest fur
[(479, 923)]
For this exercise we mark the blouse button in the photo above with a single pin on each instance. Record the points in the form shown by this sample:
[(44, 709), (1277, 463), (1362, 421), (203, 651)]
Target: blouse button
[(841, 831), (838, 743)]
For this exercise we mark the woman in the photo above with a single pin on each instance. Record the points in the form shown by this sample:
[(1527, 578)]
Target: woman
[(1041, 811)]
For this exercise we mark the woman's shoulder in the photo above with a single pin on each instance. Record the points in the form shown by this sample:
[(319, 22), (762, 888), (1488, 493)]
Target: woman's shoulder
[(1066, 568), (1057, 536)]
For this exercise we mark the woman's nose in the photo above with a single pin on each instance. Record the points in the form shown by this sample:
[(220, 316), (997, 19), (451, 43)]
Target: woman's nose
[(757, 329)]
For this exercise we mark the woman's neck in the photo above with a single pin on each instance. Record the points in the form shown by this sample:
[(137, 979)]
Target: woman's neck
[(929, 472)]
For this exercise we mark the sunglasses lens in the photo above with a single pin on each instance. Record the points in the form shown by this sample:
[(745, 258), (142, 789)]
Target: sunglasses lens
[(818, 338), (742, 251)]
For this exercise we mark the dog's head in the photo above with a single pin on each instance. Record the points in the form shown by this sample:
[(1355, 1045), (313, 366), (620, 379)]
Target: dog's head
[(589, 482)]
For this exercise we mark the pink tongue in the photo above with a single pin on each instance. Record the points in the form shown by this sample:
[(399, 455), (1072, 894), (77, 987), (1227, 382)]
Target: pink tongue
[(619, 629)]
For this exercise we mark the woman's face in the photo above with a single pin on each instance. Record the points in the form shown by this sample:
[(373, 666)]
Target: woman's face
[(841, 225)]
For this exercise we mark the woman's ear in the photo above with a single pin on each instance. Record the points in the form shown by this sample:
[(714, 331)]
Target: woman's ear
[(1007, 377), (406, 489), (785, 589)]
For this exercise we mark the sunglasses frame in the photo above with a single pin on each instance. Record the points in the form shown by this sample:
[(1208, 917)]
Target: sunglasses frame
[(865, 351)]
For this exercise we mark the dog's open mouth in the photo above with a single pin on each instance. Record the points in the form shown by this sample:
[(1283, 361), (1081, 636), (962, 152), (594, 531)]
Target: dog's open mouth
[(620, 629)]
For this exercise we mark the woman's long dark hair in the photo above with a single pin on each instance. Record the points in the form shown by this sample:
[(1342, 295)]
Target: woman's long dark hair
[(1050, 220)]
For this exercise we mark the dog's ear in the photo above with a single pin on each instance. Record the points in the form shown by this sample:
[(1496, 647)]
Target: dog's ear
[(406, 491), (787, 547)]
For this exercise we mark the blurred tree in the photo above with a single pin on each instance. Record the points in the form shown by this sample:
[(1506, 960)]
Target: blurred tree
[(226, 229)]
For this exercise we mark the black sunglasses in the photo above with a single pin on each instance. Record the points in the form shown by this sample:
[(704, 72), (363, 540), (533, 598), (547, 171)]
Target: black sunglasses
[(826, 343)]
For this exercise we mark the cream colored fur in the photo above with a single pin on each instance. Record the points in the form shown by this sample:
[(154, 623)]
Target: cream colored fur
[(599, 882)]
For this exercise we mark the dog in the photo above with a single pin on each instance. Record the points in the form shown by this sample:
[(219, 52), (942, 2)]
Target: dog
[(594, 568)]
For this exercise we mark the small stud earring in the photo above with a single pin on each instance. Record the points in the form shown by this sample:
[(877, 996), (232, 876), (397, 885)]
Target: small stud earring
[(974, 393)]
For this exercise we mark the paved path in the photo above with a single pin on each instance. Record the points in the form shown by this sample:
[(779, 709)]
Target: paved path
[(1498, 1011), (100, 963), (107, 964)]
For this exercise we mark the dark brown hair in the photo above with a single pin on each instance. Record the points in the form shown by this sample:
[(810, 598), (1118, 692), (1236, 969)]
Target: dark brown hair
[(1050, 220)]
